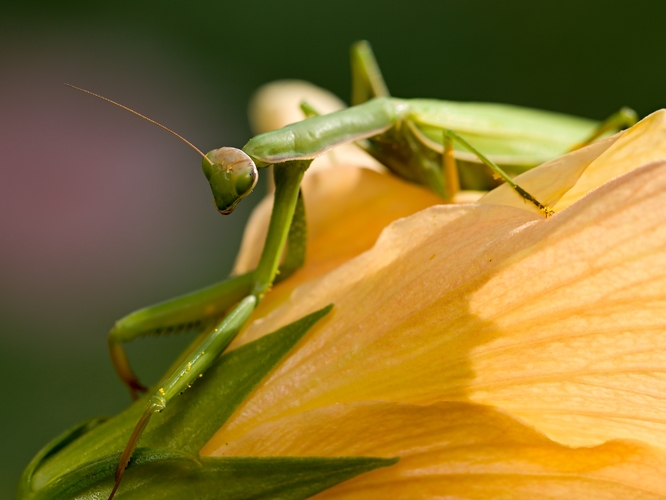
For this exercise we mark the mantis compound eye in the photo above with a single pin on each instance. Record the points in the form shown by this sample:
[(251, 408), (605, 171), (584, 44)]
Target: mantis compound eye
[(232, 176)]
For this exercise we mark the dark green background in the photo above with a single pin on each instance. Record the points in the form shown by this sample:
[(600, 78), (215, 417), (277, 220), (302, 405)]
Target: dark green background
[(101, 213)]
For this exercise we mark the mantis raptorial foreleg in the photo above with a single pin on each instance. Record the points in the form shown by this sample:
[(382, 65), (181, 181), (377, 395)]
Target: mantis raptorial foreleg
[(288, 176), (297, 239), (199, 310), (287, 206), (194, 311), (185, 375)]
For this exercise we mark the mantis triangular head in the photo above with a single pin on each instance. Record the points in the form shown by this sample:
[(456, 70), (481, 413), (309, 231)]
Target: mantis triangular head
[(232, 176)]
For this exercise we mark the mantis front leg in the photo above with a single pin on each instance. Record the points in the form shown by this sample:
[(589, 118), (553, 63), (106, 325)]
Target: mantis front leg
[(288, 177), (194, 311), (200, 310)]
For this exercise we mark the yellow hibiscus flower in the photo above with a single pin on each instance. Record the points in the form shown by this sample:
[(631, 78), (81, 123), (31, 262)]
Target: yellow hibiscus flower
[(498, 353)]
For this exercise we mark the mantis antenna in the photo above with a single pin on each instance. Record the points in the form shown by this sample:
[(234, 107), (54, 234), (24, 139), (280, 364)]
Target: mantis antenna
[(144, 117)]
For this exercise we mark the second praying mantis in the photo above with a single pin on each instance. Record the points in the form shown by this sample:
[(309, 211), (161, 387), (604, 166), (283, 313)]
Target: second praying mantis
[(429, 142)]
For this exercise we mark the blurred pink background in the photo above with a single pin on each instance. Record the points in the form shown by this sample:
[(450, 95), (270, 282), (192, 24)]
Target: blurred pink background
[(100, 213)]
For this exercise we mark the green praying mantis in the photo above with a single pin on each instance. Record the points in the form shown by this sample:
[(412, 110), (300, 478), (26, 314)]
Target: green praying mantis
[(429, 142)]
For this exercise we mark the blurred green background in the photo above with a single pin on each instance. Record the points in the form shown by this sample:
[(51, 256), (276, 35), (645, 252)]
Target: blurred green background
[(101, 213)]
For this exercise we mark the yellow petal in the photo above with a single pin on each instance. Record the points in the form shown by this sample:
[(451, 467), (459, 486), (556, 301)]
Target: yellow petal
[(583, 352), (277, 104), (549, 182), (378, 332), (562, 181), (559, 321), (643, 143), (456, 450)]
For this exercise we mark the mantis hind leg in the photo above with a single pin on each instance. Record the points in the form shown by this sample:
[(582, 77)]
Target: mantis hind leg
[(497, 171), (367, 80), (443, 177), (625, 117)]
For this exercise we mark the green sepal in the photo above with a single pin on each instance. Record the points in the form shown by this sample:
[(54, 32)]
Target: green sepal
[(92, 479), (171, 477), (53, 447), (188, 422)]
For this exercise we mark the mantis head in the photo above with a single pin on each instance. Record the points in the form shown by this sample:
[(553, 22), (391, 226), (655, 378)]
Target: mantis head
[(231, 173), (232, 176)]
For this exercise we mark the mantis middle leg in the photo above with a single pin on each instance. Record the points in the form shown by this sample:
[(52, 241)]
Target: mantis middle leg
[(625, 117)]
